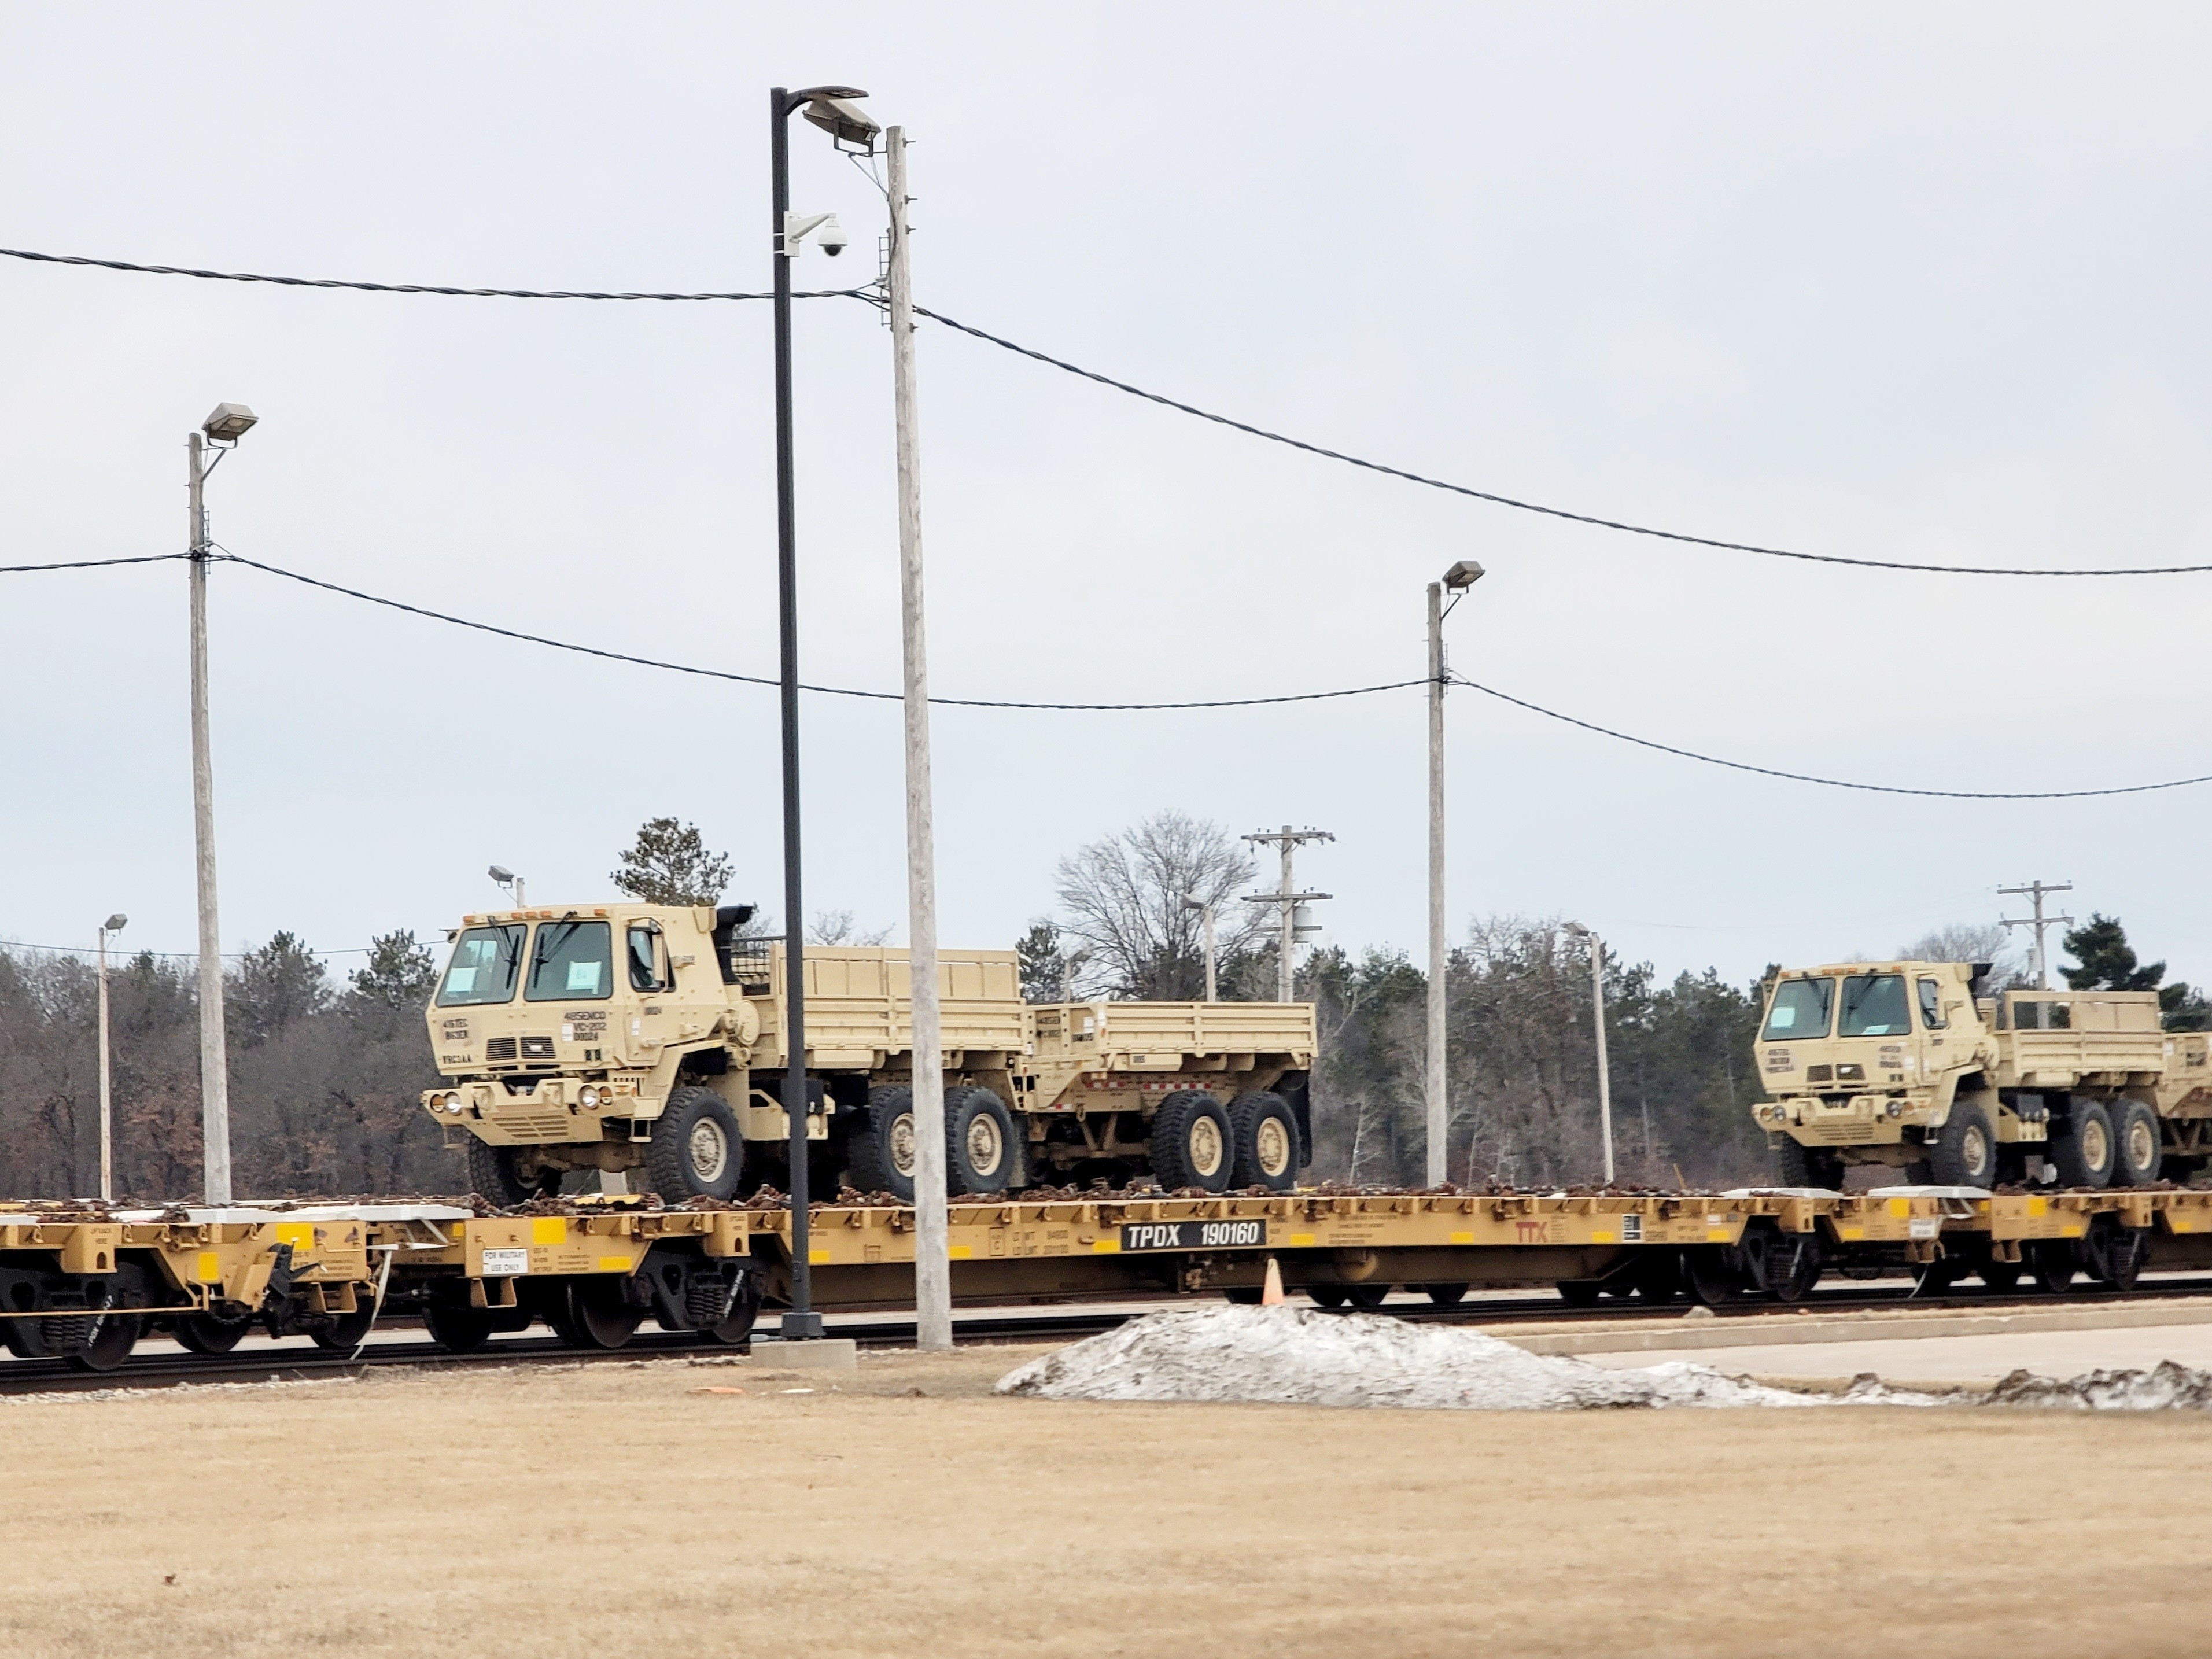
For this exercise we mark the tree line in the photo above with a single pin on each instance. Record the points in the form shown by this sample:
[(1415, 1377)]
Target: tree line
[(326, 1070)]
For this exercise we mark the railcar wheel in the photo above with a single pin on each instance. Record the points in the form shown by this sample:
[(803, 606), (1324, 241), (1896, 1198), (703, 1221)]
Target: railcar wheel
[(697, 1149), (1446, 1296), (597, 1316), (979, 1142), (347, 1331), (1367, 1296), (2135, 1143), (1191, 1144), (1263, 1142), (737, 1327), (112, 1336), (205, 1333), (880, 1154), (2001, 1277), (457, 1329), (1579, 1292), (1708, 1276), (2084, 1148), (1326, 1295), (2115, 1252), (493, 1174), (2054, 1262)]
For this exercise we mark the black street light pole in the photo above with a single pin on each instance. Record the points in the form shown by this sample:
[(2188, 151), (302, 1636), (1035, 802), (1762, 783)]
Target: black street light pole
[(828, 107)]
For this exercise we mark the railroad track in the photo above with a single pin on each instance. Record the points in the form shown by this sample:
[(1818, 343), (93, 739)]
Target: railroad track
[(1059, 1323)]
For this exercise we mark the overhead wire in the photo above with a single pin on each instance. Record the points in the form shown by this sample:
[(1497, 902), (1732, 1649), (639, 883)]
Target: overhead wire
[(867, 294)]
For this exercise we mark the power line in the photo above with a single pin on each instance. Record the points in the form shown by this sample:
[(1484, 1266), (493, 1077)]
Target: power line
[(1832, 783), (120, 954), (1493, 497), (90, 564), (1537, 506), (828, 690), (392, 288)]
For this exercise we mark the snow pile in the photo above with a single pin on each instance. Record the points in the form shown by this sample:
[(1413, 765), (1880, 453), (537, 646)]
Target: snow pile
[(2172, 1387), (1303, 1356)]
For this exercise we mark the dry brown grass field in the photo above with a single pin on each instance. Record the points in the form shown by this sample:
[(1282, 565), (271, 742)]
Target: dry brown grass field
[(615, 1509)]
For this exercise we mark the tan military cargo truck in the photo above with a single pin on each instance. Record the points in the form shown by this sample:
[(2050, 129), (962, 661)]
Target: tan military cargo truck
[(637, 1037), (1900, 1063)]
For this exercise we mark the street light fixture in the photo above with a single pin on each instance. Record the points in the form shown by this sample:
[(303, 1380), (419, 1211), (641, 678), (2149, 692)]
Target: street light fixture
[(1576, 930), (114, 924), (1205, 908), (506, 878), (225, 425), (1463, 575), (834, 111)]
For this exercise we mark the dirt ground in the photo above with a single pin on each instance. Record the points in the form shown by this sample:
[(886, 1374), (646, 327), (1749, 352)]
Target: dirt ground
[(618, 1508)]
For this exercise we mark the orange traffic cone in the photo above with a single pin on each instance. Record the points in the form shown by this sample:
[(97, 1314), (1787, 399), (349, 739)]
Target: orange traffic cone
[(1271, 1295)]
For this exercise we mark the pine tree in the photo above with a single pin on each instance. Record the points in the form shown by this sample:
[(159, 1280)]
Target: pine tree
[(2107, 963), (670, 865), (400, 973)]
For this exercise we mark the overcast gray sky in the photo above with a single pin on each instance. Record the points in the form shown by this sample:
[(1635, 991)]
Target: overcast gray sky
[(1906, 281)]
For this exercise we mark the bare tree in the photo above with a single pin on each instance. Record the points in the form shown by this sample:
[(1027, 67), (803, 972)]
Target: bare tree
[(837, 927), (1124, 899)]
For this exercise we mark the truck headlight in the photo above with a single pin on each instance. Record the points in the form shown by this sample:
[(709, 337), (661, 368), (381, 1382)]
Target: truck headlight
[(455, 1104), (587, 1097)]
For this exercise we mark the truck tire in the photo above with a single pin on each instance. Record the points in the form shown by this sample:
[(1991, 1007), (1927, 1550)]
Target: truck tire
[(1264, 1142), (2083, 1147), (1192, 1144), (1964, 1152), (697, 1149), (979, 1142), (1808, 1166), (879, 1154), (492, 1176), (2136, 1137)]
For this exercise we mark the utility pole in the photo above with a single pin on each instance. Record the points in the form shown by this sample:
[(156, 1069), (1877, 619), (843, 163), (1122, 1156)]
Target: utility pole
[(114, 924), (1286, 899), (2039, 960), (1604, 1073), (933, 1265), (1462, 576), (231, 421), (1205, 908)]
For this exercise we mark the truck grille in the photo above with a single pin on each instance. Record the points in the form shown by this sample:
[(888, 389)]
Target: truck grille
[(1819, 1074), (498, 1049), (540, 1048), (542, 1124)]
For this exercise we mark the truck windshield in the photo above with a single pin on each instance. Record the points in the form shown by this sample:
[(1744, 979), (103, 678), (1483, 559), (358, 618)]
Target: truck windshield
[(1874, 1005), (572, 961), (1801, 1009), (484, 967)]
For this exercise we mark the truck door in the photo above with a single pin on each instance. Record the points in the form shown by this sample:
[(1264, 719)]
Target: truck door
[(1938, 1051), (648, 1010)]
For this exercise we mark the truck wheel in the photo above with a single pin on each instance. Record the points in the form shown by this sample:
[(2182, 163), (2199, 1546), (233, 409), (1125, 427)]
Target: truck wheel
[(1191, 1144), (457, 1329), (2084, 1149), (492, 1176), (1964, 1153), (979, 1142), (2135, 1143), (1808, 1166), (697, 1149), (1264, 1138), (879, 1155)]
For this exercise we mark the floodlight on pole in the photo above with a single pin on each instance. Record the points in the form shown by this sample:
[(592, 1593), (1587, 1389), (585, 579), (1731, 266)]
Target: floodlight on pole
[(1462, 575), (506, 878), (224, 426), (835, 110)]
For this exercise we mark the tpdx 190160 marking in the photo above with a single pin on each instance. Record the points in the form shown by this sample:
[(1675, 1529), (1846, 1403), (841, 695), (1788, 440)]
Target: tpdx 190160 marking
[(1193, 1235)]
